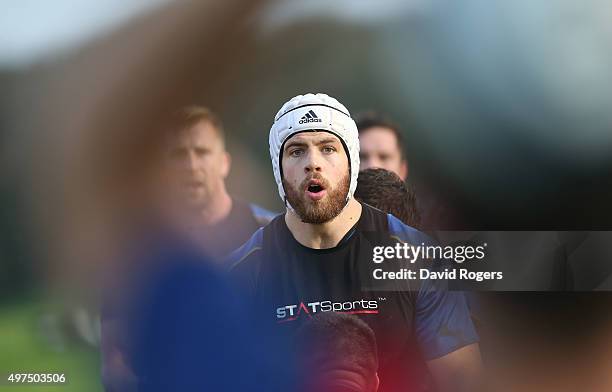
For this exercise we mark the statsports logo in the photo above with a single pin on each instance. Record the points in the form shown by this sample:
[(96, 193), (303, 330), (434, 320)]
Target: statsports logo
[(307, 309)]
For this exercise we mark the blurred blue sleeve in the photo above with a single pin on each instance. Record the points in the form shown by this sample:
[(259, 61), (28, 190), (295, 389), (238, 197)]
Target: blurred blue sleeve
[(191, 332)]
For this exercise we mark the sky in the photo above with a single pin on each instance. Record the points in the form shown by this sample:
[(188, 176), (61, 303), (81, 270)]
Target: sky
[(31, 30)]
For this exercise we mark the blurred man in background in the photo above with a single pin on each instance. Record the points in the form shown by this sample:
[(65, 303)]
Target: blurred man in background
[(199, 213), (337, 353), (381, 144), (384, 190), (198, 164)]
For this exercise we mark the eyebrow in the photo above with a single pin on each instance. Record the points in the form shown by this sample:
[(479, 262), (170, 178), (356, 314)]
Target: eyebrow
[(295, 143), (298, 143), (327, 141)]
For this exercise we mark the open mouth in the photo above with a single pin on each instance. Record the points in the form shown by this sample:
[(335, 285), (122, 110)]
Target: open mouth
[(315, 190)]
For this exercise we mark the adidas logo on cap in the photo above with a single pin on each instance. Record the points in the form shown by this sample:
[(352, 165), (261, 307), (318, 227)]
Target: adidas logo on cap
[(309, 117)]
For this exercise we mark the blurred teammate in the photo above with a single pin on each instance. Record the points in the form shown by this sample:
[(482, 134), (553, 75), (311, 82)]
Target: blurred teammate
[(317, 256), (381, 144), (202, 214), (384, 190), (337, 354), (198, 165)]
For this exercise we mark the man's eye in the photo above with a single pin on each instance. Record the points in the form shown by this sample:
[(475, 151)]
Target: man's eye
[(328, 149), (296, 153), (177, 154), (202, 152)]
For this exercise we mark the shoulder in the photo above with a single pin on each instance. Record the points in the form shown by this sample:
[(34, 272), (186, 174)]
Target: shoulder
[(244, 263), (247, 251), (373, 218), (262, 216), (404, 233), (251, 250), (243, 209)]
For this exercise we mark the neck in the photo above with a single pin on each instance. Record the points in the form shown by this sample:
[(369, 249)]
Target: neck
[(217, 208), (325, 235)]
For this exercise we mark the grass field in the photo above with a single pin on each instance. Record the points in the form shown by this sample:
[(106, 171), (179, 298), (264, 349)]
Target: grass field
[(26, 347)]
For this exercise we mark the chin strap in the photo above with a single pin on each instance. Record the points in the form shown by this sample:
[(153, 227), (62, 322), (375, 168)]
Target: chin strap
[(288, 205)]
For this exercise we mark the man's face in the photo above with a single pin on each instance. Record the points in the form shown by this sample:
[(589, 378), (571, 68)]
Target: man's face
[(379, 148), (198, 164), (316, 175)]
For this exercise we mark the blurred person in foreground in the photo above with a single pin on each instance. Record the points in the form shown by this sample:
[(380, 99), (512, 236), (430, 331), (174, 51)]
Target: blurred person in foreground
[(101, 137), (384, 190), (190, 332), (337, 353), (198, 164), (317, 256), (182, 328)]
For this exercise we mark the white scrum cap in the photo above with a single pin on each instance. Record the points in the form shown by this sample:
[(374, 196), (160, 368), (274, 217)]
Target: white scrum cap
[(314, 112)]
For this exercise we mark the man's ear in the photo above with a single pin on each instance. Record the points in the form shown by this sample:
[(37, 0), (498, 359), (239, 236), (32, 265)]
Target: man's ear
[(403, 171), (226, 164)]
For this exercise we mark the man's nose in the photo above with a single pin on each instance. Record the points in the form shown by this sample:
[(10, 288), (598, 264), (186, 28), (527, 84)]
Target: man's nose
[(191, 162), (313, 163)]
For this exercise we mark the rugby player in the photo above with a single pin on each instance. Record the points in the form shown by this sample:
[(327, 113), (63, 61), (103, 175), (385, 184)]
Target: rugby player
[(337, 353), (312, 258), (197, 166), (381, 144), (384, 190)]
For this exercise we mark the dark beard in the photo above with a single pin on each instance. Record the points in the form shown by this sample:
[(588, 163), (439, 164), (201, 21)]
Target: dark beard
[(320, 211)]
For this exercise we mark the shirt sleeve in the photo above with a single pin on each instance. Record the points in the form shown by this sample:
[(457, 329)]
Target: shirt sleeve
[(239, 255), (443, 322), (442, 318), (261, 215)]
